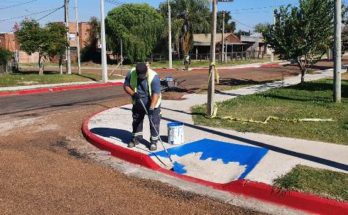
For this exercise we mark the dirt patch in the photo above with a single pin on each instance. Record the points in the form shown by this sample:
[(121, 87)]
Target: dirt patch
[(48, 172), (173, 95)]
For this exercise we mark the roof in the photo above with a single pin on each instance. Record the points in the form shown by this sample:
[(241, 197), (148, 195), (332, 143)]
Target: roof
[(252, 38), (6, 32), (205, 39)]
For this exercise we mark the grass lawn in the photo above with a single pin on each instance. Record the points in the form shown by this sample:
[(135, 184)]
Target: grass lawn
[(318, 181), (29, 78), (205, 63), (311, 100)]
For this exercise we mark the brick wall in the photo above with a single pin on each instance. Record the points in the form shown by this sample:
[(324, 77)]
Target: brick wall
[(84, 29), (8, 41)]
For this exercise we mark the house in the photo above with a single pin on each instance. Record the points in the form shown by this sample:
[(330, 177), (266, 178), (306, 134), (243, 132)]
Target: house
[(201, 44), (255, 43), (235, 47)]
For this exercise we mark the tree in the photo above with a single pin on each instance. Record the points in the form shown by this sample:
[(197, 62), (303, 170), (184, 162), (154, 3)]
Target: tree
[(5, 56), (302, 33), (261, 27), (57, 42), (90, 51), (139, 26), (188, 17), (230, 26), (33, 39), (48, 41)]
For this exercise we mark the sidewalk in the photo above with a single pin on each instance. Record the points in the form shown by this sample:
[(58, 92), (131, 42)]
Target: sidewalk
[(212, 156)]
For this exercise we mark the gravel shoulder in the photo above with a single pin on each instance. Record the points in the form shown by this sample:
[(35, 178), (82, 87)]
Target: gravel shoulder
[(45, 169)]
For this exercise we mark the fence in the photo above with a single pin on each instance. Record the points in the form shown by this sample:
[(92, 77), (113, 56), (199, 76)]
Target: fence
[(11, 66), (230, 56)]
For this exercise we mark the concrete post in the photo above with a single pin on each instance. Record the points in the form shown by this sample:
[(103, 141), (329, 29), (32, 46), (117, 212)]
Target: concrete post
[(68, 56), (337, 53), (211, 86), (77, 39)]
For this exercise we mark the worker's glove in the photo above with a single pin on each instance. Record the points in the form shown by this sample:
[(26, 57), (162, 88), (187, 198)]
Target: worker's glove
[(151, 111), (136, 96)]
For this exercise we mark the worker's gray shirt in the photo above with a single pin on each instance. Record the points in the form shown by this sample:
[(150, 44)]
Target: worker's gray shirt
[(143, 89)]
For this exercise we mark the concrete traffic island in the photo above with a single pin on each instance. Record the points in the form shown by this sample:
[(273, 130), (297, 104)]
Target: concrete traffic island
[(239, 163)]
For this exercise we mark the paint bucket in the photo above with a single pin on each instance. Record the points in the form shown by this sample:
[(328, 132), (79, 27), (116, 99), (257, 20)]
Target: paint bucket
[(175, 133)]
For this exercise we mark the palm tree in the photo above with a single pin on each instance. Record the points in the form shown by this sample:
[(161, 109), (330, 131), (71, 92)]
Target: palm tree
[(188, 17)]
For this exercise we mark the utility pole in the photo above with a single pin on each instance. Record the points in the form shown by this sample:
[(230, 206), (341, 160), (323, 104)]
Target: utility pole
[(170, 36), (103, 43), (77, 39), (338, 51), (223, 38), (272, 54), (211, 87), (68, 57)]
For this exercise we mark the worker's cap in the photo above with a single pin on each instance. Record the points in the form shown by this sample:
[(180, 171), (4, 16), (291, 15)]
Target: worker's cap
[(141, 69)]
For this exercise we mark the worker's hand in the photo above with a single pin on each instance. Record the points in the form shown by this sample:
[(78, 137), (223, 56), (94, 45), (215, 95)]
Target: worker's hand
[(136, 96), (151, 111)]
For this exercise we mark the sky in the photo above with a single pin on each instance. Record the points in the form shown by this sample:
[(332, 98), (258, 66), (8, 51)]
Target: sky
[(246, 13)]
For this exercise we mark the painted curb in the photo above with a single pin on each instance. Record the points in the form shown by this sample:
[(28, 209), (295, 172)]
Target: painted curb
[(59, 89), (293, 199)]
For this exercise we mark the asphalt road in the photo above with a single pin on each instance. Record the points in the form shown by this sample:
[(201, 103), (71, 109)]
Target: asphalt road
[(59, 100)]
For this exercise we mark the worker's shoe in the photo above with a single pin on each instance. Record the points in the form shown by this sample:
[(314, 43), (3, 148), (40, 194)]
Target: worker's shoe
[(153, 145), (135, 141)]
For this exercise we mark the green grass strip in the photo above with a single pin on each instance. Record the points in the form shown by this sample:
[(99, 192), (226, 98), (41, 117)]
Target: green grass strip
[(322, 182), (309, 100)]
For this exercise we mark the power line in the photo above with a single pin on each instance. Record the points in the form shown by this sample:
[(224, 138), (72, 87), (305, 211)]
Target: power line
[(36, 13), (115, 2), (18, 4), (248, 26), (49, 13), (112, 2)]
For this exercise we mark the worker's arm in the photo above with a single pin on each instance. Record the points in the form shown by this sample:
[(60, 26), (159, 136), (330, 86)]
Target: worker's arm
[(154, 100), (126, 85), (128, 90), (156, 91)]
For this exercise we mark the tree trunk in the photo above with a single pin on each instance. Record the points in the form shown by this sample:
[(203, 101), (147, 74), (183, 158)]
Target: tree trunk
[(303, 72), (178, 47), (6, 67), (303, 69), (40, 65)]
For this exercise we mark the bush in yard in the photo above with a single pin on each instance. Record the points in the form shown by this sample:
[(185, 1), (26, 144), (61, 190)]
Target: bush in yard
[(5, 56)]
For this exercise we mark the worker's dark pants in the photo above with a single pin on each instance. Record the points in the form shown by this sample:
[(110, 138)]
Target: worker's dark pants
[(138, 119)]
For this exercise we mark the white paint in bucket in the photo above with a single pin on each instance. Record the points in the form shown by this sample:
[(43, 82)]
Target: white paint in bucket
[(175, 133)]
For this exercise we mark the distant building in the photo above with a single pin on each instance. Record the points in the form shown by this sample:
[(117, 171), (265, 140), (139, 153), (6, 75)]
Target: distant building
[(84, 33), (8, 41)]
